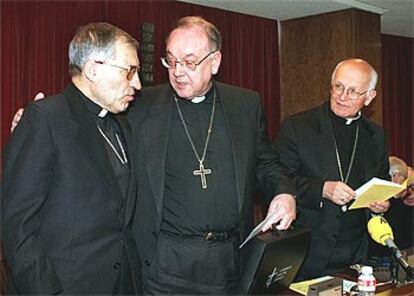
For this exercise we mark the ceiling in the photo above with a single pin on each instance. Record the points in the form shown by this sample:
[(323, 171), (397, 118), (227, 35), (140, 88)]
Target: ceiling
[(397, 16)]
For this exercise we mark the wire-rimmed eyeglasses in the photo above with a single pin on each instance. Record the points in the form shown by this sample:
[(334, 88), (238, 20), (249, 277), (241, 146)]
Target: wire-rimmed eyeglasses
[(338, 90), (171, 63), (131, 70)]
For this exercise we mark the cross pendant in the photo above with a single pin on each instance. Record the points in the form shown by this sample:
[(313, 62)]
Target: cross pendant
[(202, 172)]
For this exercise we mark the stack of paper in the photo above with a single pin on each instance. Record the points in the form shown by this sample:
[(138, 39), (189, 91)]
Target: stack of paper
[(375, 190), (303, 287)]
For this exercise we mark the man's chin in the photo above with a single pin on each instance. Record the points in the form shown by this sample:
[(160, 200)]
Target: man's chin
[(342, 113), (119, 109), (124, 107), (184, 94)]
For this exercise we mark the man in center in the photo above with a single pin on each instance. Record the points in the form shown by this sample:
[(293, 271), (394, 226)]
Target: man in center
[(203, 153)]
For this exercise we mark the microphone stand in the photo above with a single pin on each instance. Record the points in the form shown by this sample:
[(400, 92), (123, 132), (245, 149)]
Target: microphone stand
[(398, 255), (393, 270)]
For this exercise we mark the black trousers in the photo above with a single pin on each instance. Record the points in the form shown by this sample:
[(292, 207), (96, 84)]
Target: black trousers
[(193, 266)]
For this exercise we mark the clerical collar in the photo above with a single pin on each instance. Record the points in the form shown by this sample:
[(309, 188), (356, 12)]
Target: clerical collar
[(103, 113), (351, 119), (92, 106), (207, 97), (347, 120), (199, 99)]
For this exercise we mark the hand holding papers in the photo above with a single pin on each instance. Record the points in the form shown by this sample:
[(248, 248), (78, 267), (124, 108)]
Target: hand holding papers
[(375, 190), (281, 212), (257, 229)]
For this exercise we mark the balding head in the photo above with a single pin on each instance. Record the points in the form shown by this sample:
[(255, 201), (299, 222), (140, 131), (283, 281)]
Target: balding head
[(362, 67), (398, 169), (352, 87)]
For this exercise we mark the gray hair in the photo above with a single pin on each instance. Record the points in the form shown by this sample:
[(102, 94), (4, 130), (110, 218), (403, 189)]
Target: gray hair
[(373, 73), (96, 41), (213, 34), (398, 166)]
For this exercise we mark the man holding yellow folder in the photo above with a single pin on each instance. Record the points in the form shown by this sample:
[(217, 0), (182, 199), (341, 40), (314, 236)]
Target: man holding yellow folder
[(332, 150)]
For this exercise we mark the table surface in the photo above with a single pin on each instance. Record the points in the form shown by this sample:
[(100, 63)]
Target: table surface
[(382, 290)]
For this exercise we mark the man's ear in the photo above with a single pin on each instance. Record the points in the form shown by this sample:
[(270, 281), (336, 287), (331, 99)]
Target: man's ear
[(90, 70), (215, 65), (370, 97)]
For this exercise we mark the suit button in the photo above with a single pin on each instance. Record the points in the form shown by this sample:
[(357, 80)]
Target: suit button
[(154, 234), (334, 236), (146, 262), (117, 265)]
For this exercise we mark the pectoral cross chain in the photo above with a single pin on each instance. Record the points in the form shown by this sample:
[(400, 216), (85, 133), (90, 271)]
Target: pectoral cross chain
[(202, 172)]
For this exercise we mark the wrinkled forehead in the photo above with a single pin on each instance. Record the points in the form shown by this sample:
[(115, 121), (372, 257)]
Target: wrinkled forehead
[(352, 75), (187, 41), (127, 53)]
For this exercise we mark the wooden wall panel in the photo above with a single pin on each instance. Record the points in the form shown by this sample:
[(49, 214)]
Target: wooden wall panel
[(368, 47), (312, 46)]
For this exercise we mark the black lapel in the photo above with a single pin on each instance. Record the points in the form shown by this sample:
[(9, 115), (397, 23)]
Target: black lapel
[(324, 140), (156, 130), (236, 125), (90, 140), (368, 145), (131, 197)]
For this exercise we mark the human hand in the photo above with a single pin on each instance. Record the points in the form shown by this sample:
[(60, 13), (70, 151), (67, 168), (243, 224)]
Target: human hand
[(338, 192), (282, 209), (379, 206), (18, 115), (16, 118)]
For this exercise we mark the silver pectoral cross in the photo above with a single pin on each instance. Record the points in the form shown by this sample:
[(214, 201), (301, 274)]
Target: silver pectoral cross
[(202, 172)]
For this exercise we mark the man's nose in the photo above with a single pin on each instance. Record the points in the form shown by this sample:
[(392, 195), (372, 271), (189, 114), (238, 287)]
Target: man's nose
[(179, 68), (135, 82), (344, 96)]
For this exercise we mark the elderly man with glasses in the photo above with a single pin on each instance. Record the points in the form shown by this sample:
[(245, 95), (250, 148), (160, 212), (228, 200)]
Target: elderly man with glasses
[(69, 184), (330, 151), (203, 150)]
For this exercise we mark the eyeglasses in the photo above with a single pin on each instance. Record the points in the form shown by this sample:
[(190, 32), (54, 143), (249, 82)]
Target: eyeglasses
[(130, 71), (171, 63), (338, 89)]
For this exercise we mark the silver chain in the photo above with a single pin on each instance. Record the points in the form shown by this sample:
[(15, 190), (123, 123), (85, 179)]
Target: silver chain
[(124, 159), (338, 159), (210, 126)]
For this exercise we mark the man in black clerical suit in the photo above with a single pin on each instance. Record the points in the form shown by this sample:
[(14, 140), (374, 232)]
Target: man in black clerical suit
[(331, 150), (202, 151), (69, 187)]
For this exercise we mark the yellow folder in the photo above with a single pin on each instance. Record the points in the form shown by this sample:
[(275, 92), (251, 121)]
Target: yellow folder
[(375, 190)]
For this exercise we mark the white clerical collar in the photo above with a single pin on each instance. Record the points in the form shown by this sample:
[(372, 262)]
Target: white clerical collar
[(103, 113), (350, 119), (199, 99)]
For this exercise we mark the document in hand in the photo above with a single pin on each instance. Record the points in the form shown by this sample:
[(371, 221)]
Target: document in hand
[(257, 230), (375, 190)]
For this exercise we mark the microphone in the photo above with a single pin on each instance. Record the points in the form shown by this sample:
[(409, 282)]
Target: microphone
[(381, 232)]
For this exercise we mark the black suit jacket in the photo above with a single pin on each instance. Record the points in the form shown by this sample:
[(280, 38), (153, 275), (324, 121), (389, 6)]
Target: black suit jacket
[(65, 224), (307, 152), (255, 161)]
